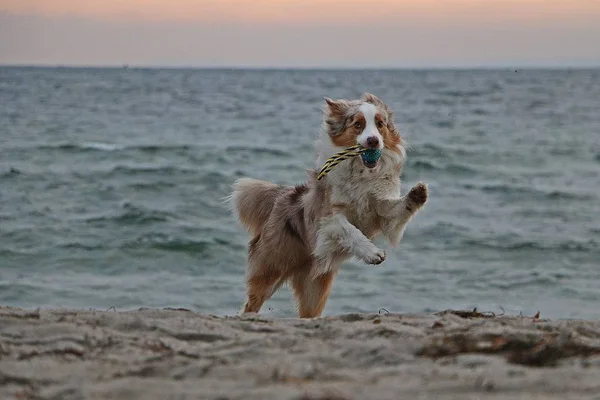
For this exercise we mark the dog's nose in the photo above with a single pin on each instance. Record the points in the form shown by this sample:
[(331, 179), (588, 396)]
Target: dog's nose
[(372, 142)]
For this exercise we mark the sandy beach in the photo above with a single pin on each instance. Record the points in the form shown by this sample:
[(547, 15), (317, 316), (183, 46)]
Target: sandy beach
[(179, 354)]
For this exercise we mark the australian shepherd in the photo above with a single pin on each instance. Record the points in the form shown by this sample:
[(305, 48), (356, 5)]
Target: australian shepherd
[(301, 234)]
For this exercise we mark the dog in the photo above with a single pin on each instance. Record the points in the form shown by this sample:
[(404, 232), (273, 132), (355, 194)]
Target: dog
[(301, 234)]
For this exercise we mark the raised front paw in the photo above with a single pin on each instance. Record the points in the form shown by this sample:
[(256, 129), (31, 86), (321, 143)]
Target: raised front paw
[(417, 196), (374, 256)]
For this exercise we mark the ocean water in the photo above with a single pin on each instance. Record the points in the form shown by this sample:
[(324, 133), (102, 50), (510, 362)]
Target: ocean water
[(111, 186)]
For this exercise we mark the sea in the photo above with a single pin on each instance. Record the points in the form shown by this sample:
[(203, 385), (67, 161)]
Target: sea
[(112, 183)]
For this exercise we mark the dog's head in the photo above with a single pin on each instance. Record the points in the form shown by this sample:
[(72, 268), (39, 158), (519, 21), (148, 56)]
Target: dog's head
[(367, 122)]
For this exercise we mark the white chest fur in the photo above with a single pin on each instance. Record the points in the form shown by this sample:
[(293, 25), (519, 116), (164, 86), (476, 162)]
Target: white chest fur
[(359, 189)]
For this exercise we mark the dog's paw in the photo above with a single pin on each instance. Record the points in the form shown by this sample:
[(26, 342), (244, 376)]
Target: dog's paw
[(417, 196), (374, 257)]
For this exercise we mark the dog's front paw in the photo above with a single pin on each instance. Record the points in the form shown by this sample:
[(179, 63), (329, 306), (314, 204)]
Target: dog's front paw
[(417, 196), (374, 256)]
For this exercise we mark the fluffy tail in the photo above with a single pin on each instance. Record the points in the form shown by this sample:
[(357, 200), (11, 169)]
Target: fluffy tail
[(253, 201)]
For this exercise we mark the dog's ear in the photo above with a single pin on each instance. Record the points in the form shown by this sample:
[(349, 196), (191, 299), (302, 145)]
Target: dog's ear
[(336, 115), (371, 98), (330, 102), (337, 108)]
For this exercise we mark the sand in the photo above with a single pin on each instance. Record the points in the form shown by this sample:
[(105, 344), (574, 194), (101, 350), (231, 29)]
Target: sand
[(178, 354)]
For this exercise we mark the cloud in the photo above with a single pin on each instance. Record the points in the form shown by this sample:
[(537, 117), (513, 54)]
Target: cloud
[(307, 12), (73, 37)]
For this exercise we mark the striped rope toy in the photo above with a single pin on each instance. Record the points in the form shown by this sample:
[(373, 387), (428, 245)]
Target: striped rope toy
[(338, 158)]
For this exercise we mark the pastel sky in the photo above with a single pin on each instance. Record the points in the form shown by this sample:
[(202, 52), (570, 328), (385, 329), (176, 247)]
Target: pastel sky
[(301, 33)]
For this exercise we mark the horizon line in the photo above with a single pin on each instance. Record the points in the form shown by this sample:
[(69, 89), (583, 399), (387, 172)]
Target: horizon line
[(307, 68)]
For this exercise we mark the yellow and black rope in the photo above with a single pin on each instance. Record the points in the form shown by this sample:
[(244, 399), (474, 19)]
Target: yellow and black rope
[(338, 158)]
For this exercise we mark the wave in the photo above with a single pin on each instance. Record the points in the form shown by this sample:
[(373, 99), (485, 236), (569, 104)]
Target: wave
[(81, 246), (154, 170), (159, 148), (12, 172), (554, 194), (432, 166), (88, 146), (480, 111), (447, 153), (258, 150), (428, 150), (523, 282), (446, 124), (536, 104), (101, 146), (466, 93), (154, 185), (5, 253), (164, 242), (511, 245), (109, 147), (439, 101), (453, 235), (156, 149), (132, 214), (563, 151)]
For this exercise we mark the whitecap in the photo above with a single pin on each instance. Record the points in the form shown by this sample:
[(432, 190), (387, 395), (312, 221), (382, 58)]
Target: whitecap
[(102, 146)]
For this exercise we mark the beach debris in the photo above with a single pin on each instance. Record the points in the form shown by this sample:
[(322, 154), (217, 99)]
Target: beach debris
[(536, 350), (437, 325), (325, 396), (536, 317), (468, 313), (20, 314), (177, 309)]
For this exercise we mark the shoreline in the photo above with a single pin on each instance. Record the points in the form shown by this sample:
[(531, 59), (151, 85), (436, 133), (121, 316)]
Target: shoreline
[(170, 353)]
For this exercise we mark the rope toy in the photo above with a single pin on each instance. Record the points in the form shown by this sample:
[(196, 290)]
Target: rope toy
[(368, 155)]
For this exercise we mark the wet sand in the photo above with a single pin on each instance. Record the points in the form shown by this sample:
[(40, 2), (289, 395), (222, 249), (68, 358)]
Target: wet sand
[(178, 354)]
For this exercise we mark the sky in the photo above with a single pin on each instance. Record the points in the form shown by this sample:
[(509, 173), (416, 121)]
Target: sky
[(301, 33)]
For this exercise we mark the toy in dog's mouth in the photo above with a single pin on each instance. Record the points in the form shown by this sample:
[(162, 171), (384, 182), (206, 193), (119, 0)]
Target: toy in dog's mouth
[(370, 157)]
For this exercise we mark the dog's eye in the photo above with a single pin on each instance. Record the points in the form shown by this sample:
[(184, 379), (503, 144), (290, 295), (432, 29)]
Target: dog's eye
[(380, 124), (357, 125)]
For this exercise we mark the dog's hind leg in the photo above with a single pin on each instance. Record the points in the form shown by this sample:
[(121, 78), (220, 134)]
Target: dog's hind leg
[(261, 286), (263, 280), (312, 292)]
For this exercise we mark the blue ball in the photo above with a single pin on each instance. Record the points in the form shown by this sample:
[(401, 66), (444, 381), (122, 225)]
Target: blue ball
[(371, 156)]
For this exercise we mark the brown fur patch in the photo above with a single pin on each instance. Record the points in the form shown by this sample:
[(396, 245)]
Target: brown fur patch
[(297, 192), (259, 290), (344, 140), (291, 230), (354, 127), (339, 207), (294, 225), (312, 294), (391, 137), (253, 244)]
